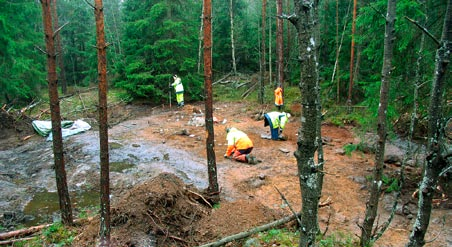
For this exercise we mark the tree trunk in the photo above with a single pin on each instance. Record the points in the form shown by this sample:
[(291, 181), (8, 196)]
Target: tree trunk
[(101, 46), (309, 172), (60, 172), (372, 204), (289, 40), (279, 43), (435, 161), (262, 62), (352, 55), (200, 40), (59, 49), (210, 144), (231, 14)]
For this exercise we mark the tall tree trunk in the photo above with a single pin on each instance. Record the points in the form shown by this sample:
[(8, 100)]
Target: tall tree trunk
[(310, 174), (279, 43), (352, 55), (231, 14), (289, 40), (436, 159), (210, 144), (270, 62), (101, 46), (200, 38), (60, 171), (336, 64), (372, 204), (262, 62), (59, 49)]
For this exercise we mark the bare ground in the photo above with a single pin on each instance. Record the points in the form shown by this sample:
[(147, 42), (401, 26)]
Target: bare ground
[(166, 212)]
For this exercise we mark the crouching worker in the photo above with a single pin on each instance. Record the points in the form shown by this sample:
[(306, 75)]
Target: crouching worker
[(277, 121), (239, 146)]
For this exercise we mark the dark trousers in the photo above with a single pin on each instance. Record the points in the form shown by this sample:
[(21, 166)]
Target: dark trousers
[(273, 131)]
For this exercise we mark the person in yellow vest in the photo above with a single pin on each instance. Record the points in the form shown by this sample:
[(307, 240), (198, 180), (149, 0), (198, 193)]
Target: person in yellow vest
[(277, 121), (179, 88), (279, 97), (239, 146)]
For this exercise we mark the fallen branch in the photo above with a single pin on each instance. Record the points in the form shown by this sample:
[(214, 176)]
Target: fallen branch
[(288, 204), (219, 81), (22, 232), (204, 199), (31, 230), (12, 241), (248, 92), (252, 231)]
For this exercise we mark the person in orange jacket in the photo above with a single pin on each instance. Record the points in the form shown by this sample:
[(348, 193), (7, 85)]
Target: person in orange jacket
[(279, 97), (239, 146)]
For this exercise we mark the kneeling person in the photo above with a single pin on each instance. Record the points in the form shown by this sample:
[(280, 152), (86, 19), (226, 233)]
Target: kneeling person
[(239, 146)]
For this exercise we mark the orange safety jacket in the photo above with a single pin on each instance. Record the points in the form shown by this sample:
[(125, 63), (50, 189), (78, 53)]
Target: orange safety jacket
[(278, 96), (237, 140)]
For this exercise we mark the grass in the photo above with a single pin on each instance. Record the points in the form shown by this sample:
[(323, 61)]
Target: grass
[(287, 237), (56, 235)]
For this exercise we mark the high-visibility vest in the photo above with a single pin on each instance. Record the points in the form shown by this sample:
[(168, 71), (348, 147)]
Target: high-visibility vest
[(278, 119), (177, 84), (237, 140)]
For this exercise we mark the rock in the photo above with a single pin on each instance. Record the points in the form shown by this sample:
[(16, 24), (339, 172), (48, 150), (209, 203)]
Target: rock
[(393, 154), (284, 150), (339, 151)]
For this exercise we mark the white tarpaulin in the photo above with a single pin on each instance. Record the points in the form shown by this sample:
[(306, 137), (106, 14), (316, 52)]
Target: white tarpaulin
[(68, 128)]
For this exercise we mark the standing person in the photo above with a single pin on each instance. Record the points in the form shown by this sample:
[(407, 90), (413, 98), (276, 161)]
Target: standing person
[(277, 121), (239, 146), (279, 97), (179, 88)]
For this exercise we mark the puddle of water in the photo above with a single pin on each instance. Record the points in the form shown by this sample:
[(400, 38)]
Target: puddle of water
[(45, 204)]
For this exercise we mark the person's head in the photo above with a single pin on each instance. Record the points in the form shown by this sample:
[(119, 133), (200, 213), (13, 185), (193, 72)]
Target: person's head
[(287, 114), (174, 76)]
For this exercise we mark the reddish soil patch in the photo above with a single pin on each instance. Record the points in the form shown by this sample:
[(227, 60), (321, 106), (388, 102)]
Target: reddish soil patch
[(170, 213)]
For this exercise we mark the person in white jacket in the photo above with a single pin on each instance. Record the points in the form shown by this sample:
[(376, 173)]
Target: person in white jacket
[(179, 88)]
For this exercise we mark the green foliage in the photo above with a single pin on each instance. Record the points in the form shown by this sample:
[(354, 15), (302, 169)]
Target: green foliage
[(160, 39), (55, 235), (22, 66), (349, 148), (392, 183), (282, 237), (339, 239)]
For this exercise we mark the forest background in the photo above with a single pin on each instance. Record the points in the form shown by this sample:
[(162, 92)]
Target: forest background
[(149, 41), (152, 43)]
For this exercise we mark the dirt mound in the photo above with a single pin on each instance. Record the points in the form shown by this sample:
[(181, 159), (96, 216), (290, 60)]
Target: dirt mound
[(14, 128), (166, 212)]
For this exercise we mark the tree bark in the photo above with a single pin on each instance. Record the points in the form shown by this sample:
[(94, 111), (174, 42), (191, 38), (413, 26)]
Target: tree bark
[(435, 162), (200, 38), (262, 62), (59, 49), (372, 204), (279, 43), (231, 14), (60, 171), (210, 144), (101, 46), (352, 55), (310, 174)]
